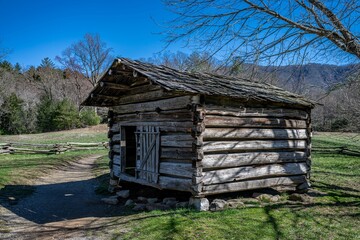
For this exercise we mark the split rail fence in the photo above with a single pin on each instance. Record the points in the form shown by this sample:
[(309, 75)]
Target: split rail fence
[(57, 148), (341, 150)]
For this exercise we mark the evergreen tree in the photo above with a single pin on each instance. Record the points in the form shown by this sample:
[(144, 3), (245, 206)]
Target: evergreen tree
[(17, 68), (45, 114), (47, 63), (66, 116), (12, 116), (5, 65)]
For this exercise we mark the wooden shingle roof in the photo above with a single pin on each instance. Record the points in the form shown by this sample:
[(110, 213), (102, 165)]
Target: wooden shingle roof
[(126, 73)]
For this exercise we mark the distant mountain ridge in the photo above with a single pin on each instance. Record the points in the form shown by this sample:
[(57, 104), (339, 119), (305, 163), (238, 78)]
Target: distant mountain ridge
[(317, 75)]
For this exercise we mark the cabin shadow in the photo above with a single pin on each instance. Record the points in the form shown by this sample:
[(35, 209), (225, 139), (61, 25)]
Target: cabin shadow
[(49, 203), (57, 202)]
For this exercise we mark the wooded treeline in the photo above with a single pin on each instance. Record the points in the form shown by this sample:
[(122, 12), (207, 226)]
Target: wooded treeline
[(47, 97), (42, 98)]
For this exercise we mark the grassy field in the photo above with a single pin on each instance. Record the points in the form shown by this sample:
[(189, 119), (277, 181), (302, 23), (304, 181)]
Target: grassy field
[(21, 169), (332, 213)]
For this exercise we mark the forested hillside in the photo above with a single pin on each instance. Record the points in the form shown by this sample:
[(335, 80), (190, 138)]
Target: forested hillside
[(48, 97), (42, 98)]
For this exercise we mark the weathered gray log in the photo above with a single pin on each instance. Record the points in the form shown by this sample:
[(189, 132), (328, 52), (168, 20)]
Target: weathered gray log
[(177, 140), (5, 151), (180, 184), (176, 153), (116, 160), (253, 172), (116, 148), (85, 148), (141, 89), (174, 160), (176, 169), (155, 124), (177, 137), (231, 146), (253, 133), (85, 144), (116, 86), (180, 115), (147, 96), (31, 144), (243, 102), (116, 170), (140, 81), (256, 112), (173, 126), (253, 184), (34, 150), (225, 121), (159, 105), (128, 178), (116, 137), (251, 158)]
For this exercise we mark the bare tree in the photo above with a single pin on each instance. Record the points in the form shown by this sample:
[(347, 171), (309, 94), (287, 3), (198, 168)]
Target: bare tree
[(267, 31), (90, 56), (3, 52), (174, 60)]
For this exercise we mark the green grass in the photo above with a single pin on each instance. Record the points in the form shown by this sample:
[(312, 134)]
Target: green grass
[(334, 212), (18, 171), (336, 139), (92, 134)]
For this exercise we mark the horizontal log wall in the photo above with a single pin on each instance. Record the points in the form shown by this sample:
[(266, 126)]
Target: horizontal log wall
[(253, 147), (289, 181), (173, 116)]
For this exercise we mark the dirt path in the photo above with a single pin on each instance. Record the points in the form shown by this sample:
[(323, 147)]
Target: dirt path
[(64, 206)]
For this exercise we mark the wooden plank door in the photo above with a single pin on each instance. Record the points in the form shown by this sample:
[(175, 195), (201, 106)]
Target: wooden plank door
[(147, 159)]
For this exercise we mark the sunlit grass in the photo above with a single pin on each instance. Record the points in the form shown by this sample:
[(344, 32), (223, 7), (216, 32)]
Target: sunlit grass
[(334, 212)]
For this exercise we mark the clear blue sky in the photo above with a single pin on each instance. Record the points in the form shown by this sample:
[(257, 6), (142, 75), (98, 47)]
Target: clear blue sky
[(35, 29)]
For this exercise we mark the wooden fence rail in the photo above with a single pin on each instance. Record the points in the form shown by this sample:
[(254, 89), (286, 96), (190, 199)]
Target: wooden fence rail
[(341, 150), (57, 148)]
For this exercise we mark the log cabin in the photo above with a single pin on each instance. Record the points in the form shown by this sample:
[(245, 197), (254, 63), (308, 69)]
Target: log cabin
[(203, 133)]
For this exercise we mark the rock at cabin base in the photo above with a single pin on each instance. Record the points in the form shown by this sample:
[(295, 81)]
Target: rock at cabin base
[(275, 198), (200, 204), (299, 197), (264, 197), (171, 204), (157, 206), (129, 202), (142, 199), (235, 203), (111, 189), (165, 200), (182, 205), (218, 204), (114, 182), (123, 193), (152, 200), (139, 207), (303, 187), (110, 200)]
